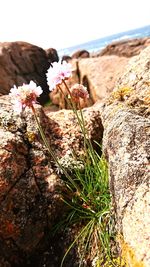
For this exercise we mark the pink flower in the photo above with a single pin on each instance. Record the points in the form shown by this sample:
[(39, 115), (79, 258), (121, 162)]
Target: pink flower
[(24, 96), (58, 73), (79, 91)]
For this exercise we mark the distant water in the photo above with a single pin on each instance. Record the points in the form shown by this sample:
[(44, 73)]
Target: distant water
[(97, 45)]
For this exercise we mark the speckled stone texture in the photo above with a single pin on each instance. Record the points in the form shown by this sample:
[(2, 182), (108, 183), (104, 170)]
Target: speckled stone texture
[(100, 74), (126, 144), (30, 187)]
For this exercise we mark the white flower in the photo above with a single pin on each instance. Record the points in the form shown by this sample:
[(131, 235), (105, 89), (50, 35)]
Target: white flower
[(24, 96), (57, 73)]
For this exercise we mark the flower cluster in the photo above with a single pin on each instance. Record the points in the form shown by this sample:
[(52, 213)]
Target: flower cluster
[(24, 96), (79, 91), (57, 73)]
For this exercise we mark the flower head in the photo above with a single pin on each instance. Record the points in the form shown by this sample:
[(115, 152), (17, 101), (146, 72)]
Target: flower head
[(24, 96), (79, 91), (57, 73)]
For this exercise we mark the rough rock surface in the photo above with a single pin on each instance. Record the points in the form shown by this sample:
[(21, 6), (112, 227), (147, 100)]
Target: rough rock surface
[(30, 189), (126, 48), (21, 62), (66, 58), (100, 74), (80, 54), (126, 143), (52, 55), (70, 131)]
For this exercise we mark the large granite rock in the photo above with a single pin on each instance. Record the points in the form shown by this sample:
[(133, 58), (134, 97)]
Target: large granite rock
[(80, 54), (21, 62), (125, 48), (30, 187), (126, 144), (52, 55), (100, 74)]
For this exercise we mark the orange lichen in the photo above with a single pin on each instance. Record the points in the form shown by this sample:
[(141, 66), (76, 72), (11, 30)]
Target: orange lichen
[(128, 255), (122, 93), (147, 100), (31, 136)]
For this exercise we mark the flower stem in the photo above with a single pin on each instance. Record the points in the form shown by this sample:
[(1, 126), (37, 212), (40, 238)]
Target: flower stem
[(79, 118), (68, 102), (51, 152), (42, 133), (68, 90)]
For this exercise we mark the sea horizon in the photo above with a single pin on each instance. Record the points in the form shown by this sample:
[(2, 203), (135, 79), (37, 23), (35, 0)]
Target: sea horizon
[(98, 44)]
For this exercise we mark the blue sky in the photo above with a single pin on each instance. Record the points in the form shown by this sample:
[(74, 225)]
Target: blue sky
[(64, 23)]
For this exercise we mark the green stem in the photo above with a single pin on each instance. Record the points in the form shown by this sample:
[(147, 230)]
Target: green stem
[(75, 240), (71, 99), (68, 90), (74, 108), (87, 143), (51, 152), (68, 102), (87, 138), (43, 134)]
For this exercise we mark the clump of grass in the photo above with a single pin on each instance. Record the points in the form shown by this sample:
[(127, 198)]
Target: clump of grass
[(89, 207)]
